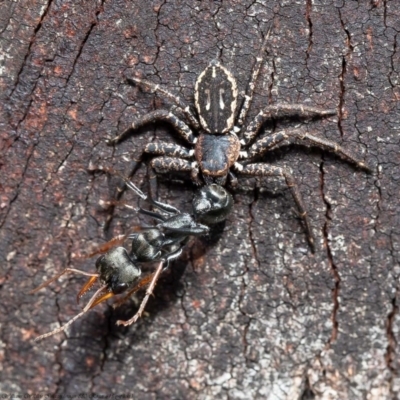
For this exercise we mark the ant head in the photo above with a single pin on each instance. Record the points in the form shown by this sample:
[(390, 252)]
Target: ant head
[(212, 204), (117, 270)]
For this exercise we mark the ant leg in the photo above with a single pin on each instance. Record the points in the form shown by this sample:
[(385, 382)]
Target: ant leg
[(143, 282), (120, 189), (152, 279), (67, 324), (154, 148), (280, 111), (267, 170), (149, 292)]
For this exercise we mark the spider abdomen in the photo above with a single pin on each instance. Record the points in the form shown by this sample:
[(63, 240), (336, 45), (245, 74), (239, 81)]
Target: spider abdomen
[(216, 154), (216, 98)]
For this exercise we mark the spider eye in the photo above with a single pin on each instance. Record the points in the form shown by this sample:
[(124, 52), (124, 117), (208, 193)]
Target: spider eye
[(216, 98)]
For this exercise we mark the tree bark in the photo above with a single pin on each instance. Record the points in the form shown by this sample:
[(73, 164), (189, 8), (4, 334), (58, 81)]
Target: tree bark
[(254, 314)]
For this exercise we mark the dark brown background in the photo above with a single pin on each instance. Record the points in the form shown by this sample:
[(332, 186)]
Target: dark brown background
[(254, 314)]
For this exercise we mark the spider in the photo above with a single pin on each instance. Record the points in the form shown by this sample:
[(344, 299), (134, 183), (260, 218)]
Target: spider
[(119, 270), (221, 148)]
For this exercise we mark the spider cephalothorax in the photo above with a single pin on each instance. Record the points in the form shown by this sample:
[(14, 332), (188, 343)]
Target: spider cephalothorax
[(220, 145)]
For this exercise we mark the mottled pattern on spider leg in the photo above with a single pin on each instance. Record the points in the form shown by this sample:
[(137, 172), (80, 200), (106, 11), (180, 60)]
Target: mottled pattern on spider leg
[(287, 137), (168, 164), (155, 116), (168, 149), (175, 99), (268, 170), (333, 147), (263, 145), (250, 89), (280, 111)]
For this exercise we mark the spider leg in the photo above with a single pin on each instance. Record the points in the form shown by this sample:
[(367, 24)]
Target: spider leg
[(168, 149), (168, 164), (254, 75), (268, 170), (153, 148), (159, 149), (175, 99), (172, 150), (287, 137), (279, 111), (158, 115), (120, 189)]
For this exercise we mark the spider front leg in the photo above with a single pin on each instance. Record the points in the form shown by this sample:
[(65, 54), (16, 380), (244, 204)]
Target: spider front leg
[(254, 75), (181, 105), (173, 151), (168, 164), (159, 115), (267, 170), (280, 111), (268, 143)]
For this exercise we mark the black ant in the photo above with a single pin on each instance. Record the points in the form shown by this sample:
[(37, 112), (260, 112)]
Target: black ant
[(119, 270)]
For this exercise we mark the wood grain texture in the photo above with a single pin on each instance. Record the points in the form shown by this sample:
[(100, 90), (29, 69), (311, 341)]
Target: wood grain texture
[(254, 314)]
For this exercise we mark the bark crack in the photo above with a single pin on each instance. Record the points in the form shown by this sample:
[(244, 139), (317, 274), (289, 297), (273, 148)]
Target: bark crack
[(342, 75), (310, 29), (392, 66), (251, 236), (28, 53), (390, 355), (334, 269), (85, 39), (15, 197)]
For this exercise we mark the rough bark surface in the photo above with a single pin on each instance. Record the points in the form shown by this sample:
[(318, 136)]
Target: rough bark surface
[(255, 314)]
